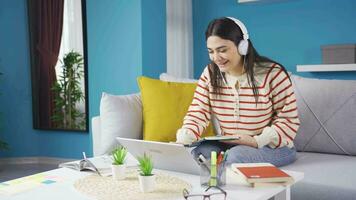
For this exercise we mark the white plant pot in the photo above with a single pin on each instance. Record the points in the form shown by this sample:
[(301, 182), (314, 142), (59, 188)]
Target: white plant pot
[(118, 171), (147, 183)]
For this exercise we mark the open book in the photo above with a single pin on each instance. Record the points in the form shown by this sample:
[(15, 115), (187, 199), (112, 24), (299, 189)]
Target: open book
[(215, 138), (97, 165), (258, 173)]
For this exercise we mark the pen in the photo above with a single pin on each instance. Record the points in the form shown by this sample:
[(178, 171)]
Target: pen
[(225, 156), (213, 169), (220, 158), (84, 156)]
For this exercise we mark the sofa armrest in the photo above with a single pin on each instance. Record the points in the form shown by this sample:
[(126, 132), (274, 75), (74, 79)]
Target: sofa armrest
[(96, 135)]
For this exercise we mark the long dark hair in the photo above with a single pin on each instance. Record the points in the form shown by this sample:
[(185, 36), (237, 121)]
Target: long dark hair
[(227, 29)]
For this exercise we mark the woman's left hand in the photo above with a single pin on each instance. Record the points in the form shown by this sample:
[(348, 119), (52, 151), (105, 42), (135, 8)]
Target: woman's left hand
[(244, 140)]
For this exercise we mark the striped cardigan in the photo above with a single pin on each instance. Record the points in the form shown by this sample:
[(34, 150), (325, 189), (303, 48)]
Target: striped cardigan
[(273, 122)]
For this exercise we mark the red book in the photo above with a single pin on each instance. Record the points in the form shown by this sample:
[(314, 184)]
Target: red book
[(261, 173)]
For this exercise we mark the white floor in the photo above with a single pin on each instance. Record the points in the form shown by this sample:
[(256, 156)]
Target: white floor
[(12, 171)]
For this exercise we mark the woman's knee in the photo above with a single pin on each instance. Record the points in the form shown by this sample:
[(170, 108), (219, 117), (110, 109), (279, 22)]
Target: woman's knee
[(246, 154), (287, 157), (243, 154)]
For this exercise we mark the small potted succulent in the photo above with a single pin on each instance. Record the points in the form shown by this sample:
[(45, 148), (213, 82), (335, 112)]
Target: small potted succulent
[(118, 167), (146, 178)]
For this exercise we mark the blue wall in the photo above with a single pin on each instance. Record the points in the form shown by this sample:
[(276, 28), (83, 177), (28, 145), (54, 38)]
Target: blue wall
[(154, 37), (15, 83), (289, 31), (114, 48), (116, 40), (126, 38)]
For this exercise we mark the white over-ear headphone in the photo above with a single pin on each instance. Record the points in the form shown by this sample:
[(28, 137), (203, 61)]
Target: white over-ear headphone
[(243, 45)]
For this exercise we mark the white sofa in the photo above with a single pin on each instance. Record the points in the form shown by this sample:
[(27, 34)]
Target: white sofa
[(326, 140)]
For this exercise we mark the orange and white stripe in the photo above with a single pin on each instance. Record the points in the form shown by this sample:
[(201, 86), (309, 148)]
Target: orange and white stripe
[(237, 111)]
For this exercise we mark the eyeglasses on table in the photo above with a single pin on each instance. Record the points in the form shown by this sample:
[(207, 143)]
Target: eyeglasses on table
[(218, 195)]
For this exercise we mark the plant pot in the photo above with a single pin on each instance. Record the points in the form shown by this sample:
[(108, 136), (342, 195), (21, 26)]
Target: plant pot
[(118, 171), (147, 183)]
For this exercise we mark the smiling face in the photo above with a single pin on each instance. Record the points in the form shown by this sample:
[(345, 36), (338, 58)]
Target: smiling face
[(225, 55)]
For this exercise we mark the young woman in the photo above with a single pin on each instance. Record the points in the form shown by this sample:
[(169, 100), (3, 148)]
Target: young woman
[(250, 96)]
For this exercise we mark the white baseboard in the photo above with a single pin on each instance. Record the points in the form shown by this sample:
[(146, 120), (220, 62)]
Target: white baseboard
[(34, 160)]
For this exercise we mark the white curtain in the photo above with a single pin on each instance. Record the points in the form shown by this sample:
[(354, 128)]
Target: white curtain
[(72, 34), (72, 37), (179, 38)]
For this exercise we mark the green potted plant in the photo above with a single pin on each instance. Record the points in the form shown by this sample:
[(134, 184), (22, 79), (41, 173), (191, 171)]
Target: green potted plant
[(69, 94), (118, 167), (146, 178)]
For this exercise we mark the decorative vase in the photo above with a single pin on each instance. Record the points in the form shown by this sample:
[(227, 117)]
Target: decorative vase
[(118, 171), (147, 183)]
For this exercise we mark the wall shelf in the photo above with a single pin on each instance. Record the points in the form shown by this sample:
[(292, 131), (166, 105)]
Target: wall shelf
[(258, 1), (246, 1), (326, 68)]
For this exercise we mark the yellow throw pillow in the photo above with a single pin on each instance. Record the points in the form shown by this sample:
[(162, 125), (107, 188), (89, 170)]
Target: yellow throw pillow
[(164, 106)]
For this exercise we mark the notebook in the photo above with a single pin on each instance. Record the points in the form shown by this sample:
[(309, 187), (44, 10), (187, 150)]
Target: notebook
[(261, 173), (99, 165), (214, 138)]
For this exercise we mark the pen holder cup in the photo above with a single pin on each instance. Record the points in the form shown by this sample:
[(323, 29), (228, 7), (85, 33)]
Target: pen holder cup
[(205, 175)]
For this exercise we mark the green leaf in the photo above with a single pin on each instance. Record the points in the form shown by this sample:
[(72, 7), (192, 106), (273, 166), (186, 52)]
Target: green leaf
[(119, 155), (145, 165), (68, 92)]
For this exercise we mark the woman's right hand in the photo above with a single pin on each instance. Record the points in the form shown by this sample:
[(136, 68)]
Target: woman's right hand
[(185, 137)]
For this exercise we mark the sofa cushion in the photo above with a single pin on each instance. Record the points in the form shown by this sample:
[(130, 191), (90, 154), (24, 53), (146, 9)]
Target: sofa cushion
[(326, 176), (120, 116), (170, 78), (327, 115), (164, 107)]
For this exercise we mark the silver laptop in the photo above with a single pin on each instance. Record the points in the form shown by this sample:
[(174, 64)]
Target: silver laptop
[(167, 156)]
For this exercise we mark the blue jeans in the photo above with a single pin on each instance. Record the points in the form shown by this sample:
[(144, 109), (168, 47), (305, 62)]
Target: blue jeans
[(246, 154)]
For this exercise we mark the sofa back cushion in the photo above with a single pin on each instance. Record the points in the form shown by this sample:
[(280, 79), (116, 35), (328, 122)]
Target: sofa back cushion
[(120, 116), (327, 112), (164, 106), (170, 78)]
